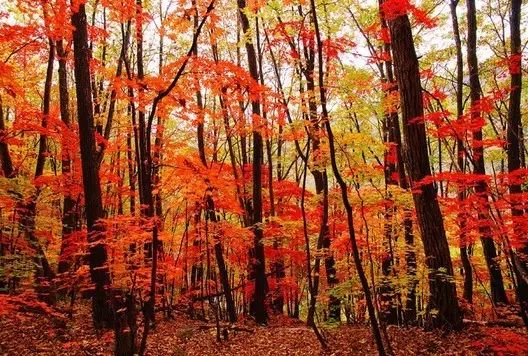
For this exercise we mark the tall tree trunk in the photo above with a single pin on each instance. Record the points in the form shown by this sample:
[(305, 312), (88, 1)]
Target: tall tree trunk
[(5, 157), (395, 175), (70, 216), (466, 264), (28, 209), (344, 189), (259, 266), (99, 272), (146, 196), (125, 38), (498, 293), (443, 308), (131, 173), (8, 171), (210, 207), (310, 320), (43, 146), (277, 267), (514, 151), (320, 176)]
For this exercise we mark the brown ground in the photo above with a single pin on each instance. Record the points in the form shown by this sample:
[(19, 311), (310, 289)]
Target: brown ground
[(30, 333)]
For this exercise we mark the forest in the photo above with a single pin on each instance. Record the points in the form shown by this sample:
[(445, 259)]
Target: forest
[(251, 177)]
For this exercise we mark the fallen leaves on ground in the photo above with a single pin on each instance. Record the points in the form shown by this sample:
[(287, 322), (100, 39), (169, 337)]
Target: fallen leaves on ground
[(23, 333)]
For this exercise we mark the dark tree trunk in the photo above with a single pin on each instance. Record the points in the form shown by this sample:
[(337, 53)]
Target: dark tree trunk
[(410, 252), (277, 267), (309, 276), (443, 308), (70, 216), (209, 202), (410, 260), (125, 319), (5, 157), (394, 176), (222, 269), (321, 188), (344, 189), (28, 213), (515, 150), (259, 265), (27, 209), (99, 272), (466, 264), (498, 293), (131, 173), (145, 160), (41, 158), (146, 196), (113, 94), (319, 174)]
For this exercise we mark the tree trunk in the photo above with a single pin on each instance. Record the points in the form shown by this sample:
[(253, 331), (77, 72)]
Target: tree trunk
[(146, 196), (394, 176), (259, 266), (498, 293), (28, 210), (209, 202), (319, 174), (70, 216), (442, 310), (466, 264), (277, 267), (5, 157), (99, 272), (514, 149), (344, 189)]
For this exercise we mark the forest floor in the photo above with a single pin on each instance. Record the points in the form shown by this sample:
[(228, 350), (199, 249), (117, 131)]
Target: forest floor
[(30, 333)]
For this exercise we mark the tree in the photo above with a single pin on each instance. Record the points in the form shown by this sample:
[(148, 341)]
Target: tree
[(395, 175), (210, 211), (515, 149), (266, 167), (102, 312), (498, 294), (343, 187), (442, 306), (461, 161), (70, 215), (259, 264)]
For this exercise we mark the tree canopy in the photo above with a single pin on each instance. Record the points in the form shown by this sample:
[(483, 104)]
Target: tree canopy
[(342, 162)]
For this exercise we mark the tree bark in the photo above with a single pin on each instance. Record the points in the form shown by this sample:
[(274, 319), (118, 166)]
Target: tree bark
[(466, 264), (259, 265), (515, 151), (5, 157), (28, 209), (145, 173), (99, 272), (498, 294), (442, 310), (395, 176), (70, 216), (209, 202), (344, 189)]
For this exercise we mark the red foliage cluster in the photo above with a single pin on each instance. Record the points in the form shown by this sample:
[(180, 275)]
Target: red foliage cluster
[(393, 9)]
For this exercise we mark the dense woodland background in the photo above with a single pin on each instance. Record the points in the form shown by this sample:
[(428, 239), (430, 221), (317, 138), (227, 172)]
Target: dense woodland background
[(246, 163)]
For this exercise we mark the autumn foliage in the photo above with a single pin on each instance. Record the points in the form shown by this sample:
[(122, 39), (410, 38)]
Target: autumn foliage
[(186, 95)]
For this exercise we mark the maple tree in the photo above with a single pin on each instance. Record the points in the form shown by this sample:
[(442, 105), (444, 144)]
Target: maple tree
[(264, 161)]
